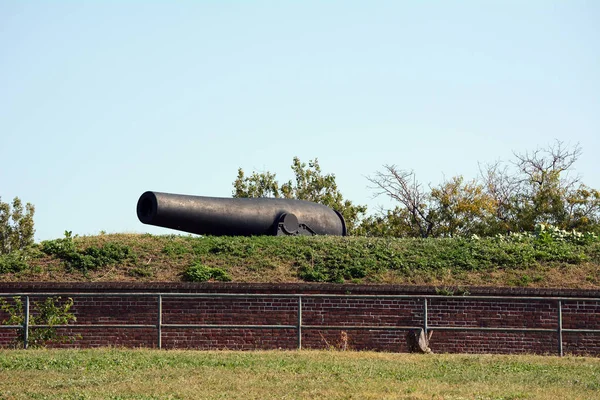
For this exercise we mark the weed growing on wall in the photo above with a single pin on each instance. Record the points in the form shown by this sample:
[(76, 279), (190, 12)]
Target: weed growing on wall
[(52, 311), (340, 344)]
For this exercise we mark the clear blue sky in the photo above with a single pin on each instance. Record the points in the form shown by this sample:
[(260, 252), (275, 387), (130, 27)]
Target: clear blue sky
[(103, 100)]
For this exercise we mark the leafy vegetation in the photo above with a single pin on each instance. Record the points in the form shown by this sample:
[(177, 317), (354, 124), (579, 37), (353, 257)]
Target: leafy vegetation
[(529, 226), (16, 226), (52, 311), (88, 259), (547, 257), (202, 273), (18, 260), (535, 188), (309, 184), (150, 374)]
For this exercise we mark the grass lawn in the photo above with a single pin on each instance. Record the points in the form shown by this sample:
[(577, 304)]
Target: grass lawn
[(154, 374)]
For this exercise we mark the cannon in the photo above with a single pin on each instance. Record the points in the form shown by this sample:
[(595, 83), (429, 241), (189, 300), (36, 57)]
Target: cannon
[(238, 216)]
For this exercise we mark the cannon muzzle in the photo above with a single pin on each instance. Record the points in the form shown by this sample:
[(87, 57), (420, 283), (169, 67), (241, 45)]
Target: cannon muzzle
[(238, 216)]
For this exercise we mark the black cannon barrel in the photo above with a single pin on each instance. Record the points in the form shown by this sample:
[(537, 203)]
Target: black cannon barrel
[(238, 216)]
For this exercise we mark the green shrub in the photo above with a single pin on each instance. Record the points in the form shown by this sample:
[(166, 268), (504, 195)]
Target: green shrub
[(201, 273), (174, 249), (549, 233), (62, 248), (13, 262), (52, 311), (18, 260), (89, 259)]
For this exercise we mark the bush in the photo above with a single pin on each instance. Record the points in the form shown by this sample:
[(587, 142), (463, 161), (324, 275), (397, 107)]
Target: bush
[(15, 261), (547, 234), (61, 248), (52, 311), (89, 259), (18, 260), (201, 273)]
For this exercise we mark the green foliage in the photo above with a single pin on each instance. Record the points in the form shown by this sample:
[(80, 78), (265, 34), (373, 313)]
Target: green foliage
[(14, 261), (52, 311), (548, 252), (336, 259), (345, 261), (201, 273), (88, 259), (453, 208), (19, 260), (549, 233), (16, 226), (62, 248), (174, 248), (364, 259), (262, 184), (309, 184), (536, 190)]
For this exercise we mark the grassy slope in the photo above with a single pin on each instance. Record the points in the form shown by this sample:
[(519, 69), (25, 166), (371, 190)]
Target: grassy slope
[(151, 374), (441, 262)]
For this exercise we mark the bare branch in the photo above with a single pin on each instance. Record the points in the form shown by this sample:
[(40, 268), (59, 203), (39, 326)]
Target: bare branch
[(542, 164), (402, 186)]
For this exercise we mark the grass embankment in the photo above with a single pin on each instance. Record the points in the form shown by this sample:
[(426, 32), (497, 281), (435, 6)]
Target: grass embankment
[(516, 260), (151, 374)]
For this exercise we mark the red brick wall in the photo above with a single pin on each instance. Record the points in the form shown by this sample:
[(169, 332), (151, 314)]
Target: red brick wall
[(507, 312)]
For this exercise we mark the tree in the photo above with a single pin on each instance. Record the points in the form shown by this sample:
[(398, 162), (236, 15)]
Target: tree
[(540, 190), (261, 184), (309, 184), (397, 222), (503, 189), (537, 189), (16, 226), (544, 187), (454, 208), (583, 209), (416, 211), (462, 208)]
